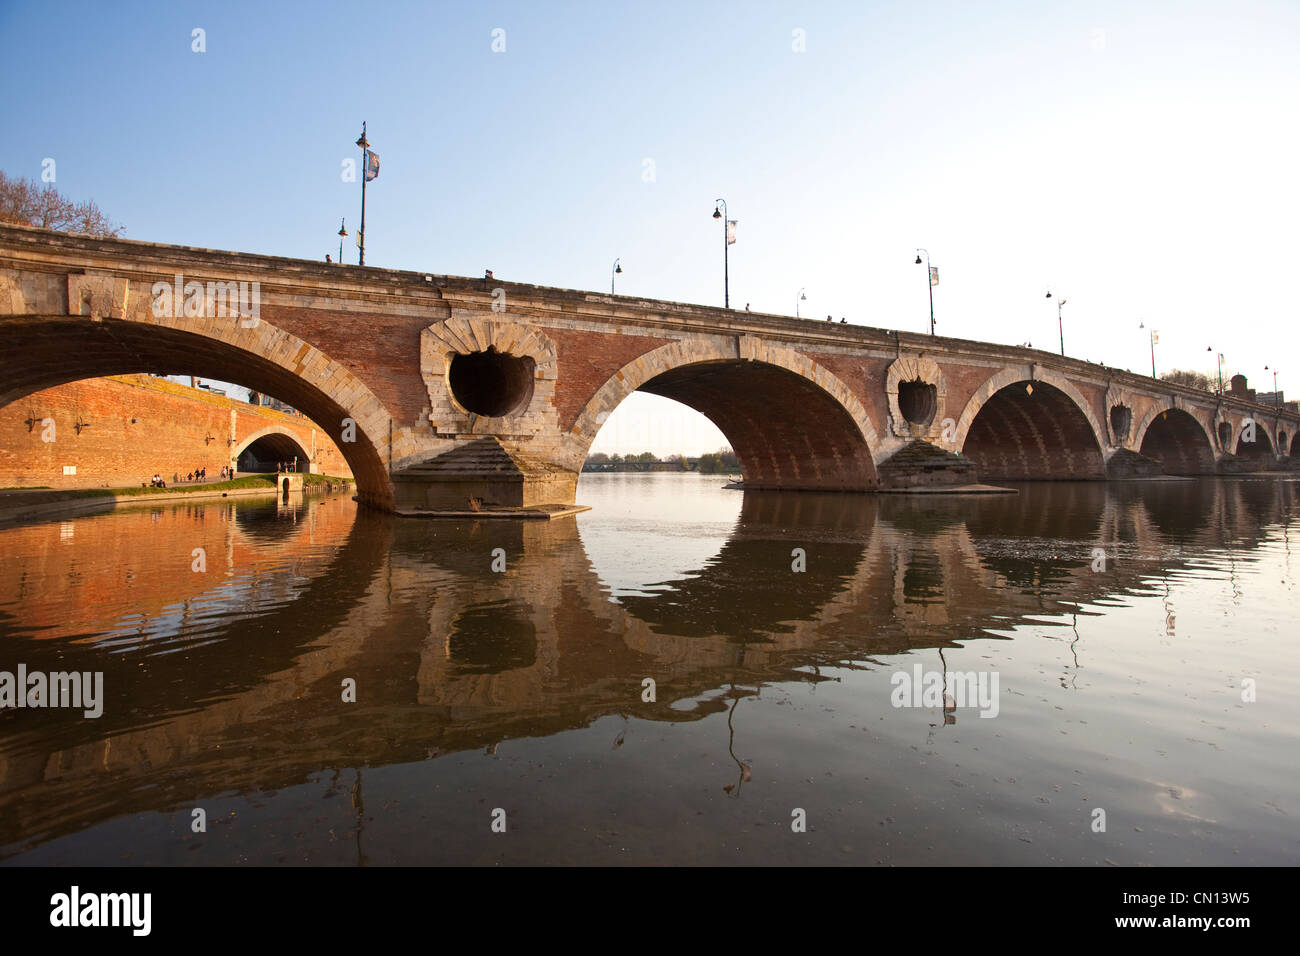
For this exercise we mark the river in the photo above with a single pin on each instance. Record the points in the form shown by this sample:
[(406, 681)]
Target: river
[(683, 674)]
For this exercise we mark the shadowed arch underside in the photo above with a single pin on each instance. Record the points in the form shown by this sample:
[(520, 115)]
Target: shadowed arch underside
[(1030, 431), (269, 450), (787, 432), (1261, 447), (1178, 441), (41, 352)]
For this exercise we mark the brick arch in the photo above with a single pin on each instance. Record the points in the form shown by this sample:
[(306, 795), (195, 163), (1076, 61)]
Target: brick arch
[(279, 430), (1010, 376), (792, 423), (1185, 447), (42, 351), (1061, 441), (1261, 447), (1157, 409)]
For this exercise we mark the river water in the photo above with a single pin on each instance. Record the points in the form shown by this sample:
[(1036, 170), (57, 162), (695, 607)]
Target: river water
[(684, 674)]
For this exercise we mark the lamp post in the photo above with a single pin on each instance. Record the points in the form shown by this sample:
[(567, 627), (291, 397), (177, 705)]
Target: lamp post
[(720, 212), (802, 298), (616, 270), (929, 281), (342, 233), (1210, 348), (1154, 337), (1060, 329), (365, 175), (1277, 399)]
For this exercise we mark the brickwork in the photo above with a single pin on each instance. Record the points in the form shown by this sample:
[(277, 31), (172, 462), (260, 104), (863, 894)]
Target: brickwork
[(117, 432)]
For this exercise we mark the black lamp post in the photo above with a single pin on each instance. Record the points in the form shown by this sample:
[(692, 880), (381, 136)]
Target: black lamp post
[(342, 233), (1277, 399), (1060, 329), (365, 169), (929, 273), (616, 270), (1210, 348), (1154, 336), (801, 298), (720, 212)]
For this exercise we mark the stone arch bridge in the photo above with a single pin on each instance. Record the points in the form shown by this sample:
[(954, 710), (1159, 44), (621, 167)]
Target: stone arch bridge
[(439, 389)]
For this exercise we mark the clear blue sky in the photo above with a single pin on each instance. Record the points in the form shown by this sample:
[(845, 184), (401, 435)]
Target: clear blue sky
[(1137, 158)]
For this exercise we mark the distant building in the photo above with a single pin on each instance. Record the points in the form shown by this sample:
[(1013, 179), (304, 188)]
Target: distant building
[(1270, 398), (266, 401)]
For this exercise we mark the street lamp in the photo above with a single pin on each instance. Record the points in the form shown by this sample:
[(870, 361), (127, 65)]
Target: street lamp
[(1155, 337), (931, 279), (1059, 328), (1277, 399), (720, 212), (802, 298), (369, 171), (342, 233), (1210, 348), (617, 270)]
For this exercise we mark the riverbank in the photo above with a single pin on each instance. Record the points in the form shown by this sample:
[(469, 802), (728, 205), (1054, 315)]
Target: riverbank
[(22, 505)]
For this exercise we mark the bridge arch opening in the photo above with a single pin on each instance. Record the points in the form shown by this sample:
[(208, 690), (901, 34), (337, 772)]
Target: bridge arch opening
[(1178, 441), (1261, 447), (271, 451), (917, 400), (491, 383), (1121, 420), (792, 424), (44, 351), (787, 432), (1030, 430)]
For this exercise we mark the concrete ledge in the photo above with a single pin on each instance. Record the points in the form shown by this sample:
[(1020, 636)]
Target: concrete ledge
[(14, 512), (951, 490), (534, 513)]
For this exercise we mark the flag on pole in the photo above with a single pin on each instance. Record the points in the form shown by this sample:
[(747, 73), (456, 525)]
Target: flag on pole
[(731, 232), (372, 165), (934, 275)]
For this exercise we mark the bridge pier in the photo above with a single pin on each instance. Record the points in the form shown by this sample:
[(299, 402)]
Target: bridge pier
[(482, 474)]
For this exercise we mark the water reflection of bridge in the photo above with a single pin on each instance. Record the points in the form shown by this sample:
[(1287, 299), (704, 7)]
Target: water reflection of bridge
[(449, 656)]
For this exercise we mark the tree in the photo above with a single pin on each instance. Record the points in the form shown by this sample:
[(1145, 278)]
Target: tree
[(23, 201), (1179, 376), (645, 456)]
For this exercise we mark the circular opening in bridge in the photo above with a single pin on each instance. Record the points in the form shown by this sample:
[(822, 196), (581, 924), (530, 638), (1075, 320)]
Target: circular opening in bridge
[(1225, 434), (492, 383), (917, 401), (1121, 420)]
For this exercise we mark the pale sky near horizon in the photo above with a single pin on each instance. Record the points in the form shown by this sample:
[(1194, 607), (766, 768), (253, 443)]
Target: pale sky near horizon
[(1136, 158)]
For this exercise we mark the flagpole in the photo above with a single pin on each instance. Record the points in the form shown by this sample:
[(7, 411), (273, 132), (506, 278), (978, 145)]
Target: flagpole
[(361, 236)]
